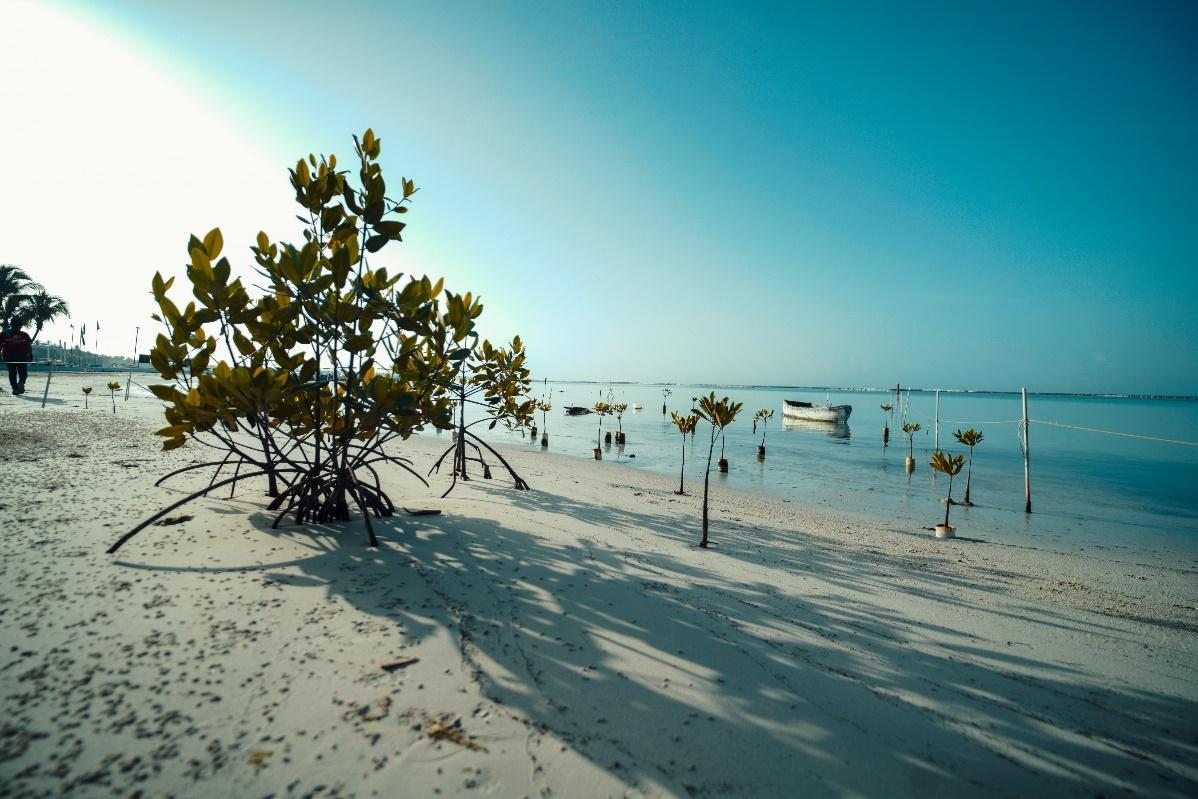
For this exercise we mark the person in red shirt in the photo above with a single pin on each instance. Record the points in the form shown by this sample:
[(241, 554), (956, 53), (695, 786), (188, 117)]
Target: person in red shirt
[(17, 348)]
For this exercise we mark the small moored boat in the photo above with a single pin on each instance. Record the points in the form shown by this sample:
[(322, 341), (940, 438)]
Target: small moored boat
[(811, 412), (576, 410)]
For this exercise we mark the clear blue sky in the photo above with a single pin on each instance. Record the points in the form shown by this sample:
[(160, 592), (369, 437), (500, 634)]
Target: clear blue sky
[(957, 194)]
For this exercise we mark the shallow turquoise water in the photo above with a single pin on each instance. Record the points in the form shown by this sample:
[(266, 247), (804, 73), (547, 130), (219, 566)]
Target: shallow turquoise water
[(1090, 491)]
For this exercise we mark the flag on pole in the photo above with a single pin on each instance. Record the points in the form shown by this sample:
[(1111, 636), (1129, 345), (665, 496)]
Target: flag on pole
[(83, 335)]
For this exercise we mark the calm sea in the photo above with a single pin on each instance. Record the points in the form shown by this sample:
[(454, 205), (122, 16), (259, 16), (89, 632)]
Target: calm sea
[(1090, 491)]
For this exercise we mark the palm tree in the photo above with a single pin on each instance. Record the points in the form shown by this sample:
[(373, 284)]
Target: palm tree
[(719, 414), (13, 280), (970, 438), (15, 286), (685, 424), (41, 308), (949, 464), (13, 310)]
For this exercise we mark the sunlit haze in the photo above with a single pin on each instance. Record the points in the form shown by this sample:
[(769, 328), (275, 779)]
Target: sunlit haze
[(803, 194)]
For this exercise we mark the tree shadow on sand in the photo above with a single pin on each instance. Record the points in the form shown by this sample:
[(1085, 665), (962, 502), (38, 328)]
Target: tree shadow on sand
[(660, 671)]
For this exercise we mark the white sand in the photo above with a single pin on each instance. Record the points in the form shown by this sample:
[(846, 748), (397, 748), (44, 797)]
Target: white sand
[(572, 642)]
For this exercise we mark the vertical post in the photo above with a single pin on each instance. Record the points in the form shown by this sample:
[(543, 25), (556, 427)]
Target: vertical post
[(1027, 459), (46, 390), (136, 333), (937, 418)]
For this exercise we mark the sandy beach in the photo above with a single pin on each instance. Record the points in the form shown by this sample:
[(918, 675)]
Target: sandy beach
[(571, 641)]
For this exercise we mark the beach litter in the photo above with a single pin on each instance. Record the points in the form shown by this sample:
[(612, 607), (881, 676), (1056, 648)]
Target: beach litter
[(398, 663), (450, 729), (423, 511)]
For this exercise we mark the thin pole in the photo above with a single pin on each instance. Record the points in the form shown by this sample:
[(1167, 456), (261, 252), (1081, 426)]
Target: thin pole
[(937, 418), (129, 381), (46, 391), (1027, 459)]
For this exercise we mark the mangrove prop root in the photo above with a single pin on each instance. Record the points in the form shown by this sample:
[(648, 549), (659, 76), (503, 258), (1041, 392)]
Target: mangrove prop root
[(461, 458), (195, 495), (193, 467)]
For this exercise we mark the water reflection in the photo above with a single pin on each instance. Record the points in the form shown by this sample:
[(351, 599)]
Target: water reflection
[(830, 429)]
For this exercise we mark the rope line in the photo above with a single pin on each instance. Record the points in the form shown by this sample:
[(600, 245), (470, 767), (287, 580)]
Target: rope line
[(958, 421), (1022, 437), (1116, 433)]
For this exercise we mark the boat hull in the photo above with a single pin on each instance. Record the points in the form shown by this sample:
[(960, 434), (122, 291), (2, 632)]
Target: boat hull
[(810, 412)]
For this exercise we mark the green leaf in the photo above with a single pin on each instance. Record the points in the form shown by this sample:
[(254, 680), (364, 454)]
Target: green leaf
[(214, 242), (243, 344), (166, 393), (351, 200), (390, 229)]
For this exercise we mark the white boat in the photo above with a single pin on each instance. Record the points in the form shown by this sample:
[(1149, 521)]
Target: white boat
[(811, 412)]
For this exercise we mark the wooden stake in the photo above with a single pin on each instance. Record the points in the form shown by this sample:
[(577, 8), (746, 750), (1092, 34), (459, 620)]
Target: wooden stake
[(49, 374), (937, 419), (1027, 459)]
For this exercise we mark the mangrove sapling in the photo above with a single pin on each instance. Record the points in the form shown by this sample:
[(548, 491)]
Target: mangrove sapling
[(600, 409), (544, 406), (910, 429), (494, 380), (334, 362), (763, 416), (970, 438), (665, 395), (719, 414), (685, 424), (611, 408), (112, 390), (618, 409), (949, 464), (887, 414), (87, 390)]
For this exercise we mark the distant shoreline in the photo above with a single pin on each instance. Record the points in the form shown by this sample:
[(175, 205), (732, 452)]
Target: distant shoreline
[(876, 390)]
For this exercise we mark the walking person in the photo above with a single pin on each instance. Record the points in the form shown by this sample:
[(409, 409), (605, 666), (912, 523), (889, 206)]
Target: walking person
[(17, 349)]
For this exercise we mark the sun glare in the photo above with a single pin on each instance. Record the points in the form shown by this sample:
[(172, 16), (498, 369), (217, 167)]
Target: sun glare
[(109, 157)]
